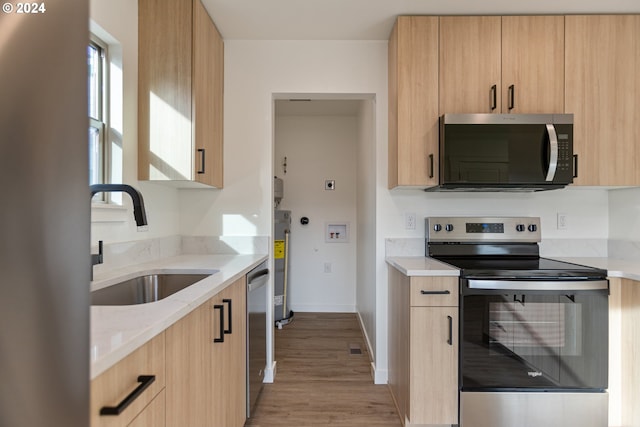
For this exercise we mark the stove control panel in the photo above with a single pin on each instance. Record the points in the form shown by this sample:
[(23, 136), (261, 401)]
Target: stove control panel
[(482, 229)]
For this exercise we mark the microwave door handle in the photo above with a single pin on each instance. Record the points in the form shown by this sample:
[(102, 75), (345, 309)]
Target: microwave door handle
[(553, 158)]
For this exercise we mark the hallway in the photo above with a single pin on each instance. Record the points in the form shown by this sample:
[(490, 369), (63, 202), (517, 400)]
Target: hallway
[(321, 380)]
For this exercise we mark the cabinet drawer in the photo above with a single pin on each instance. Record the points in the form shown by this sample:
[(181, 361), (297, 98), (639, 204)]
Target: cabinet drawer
[(434, 291), (112, 387), (153, 415)]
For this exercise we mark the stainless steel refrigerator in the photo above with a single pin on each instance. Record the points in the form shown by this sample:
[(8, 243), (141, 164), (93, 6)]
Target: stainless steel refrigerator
[(44, 215), (281, 258)]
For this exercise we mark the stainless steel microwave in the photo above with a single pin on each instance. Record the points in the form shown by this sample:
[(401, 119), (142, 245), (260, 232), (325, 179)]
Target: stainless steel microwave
[(505, 152)]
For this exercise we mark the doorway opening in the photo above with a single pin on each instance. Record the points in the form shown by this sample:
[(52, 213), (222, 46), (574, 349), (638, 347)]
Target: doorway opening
[(324, 153)]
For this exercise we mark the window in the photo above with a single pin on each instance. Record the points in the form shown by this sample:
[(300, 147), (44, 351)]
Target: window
[(97, 111)]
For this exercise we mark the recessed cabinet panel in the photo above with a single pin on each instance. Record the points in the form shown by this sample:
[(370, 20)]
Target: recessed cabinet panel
[(180, 57), (602, 57), (413, 102), (470, 64), (533, 64)]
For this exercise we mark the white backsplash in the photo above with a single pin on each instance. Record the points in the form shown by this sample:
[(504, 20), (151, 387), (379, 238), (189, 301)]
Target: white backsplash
[(125, 254), (624, 249), (225, 245)]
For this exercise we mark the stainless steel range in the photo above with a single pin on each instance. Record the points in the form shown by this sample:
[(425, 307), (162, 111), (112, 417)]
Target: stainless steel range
[(533, 330)]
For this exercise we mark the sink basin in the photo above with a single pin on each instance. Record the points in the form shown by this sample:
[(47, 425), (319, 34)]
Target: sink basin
[(143, 289)]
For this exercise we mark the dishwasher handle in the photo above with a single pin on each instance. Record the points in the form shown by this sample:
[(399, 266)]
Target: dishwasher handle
[(253, 276)]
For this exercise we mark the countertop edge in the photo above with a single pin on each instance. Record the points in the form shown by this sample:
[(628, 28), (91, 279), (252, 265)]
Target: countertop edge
[(117, 331), (421, 266)]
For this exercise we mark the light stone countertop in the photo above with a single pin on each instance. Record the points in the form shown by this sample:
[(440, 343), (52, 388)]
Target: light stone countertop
[(425, 266), (421, 266), (117, 331), (626, 269)]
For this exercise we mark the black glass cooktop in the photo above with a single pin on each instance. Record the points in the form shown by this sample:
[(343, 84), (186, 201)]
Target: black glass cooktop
[(521, 268)]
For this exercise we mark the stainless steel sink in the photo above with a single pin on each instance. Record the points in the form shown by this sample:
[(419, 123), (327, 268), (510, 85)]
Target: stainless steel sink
[(143, 289)]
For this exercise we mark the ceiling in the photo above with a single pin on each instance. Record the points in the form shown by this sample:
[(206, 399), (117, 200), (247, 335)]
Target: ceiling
[(371, 19)]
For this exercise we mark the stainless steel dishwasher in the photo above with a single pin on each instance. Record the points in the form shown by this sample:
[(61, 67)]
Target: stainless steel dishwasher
[(256, 332)]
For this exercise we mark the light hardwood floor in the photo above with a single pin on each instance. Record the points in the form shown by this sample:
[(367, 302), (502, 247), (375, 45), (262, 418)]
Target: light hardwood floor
[(319, 382)]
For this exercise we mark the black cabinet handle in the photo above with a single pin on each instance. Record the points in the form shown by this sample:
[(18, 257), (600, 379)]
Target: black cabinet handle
[(228, 301), (512, 96), (431, 172), (201, 170), (423, 292), (575, 165), (450, 339), (494, 97), (145, 381), (221, 329)]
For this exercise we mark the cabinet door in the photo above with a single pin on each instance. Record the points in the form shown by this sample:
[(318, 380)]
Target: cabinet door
[(470, 64), (434, 366), (165, 150), (189, 368), (413, 102), (230, 371), (533, 64), (602, 91), (208, 70)]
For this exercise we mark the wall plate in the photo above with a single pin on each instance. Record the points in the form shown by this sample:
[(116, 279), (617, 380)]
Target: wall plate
[(330, 184), (336, 232)]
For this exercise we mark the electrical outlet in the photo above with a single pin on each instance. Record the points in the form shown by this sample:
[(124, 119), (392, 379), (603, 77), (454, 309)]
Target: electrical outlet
[(410, 221), (327, 267), (562, 221)]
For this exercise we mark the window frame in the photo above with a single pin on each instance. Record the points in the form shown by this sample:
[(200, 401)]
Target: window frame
[(101, 123)]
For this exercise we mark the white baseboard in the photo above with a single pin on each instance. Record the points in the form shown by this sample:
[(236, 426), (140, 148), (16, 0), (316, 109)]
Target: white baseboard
[(329, 308), (379, 376)]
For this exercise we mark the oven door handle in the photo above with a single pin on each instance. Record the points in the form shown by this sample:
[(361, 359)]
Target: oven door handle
[(539, 285)]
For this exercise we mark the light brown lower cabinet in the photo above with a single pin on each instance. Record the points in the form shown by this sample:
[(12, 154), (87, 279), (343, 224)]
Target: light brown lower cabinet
[(199, 368), (423, 348), (624, 351), (206, 360), (111, 388)]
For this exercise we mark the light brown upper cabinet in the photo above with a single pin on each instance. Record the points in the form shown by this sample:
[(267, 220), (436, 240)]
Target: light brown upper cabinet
[(508, 64), (180, 94), (603, 91), (413, 102)]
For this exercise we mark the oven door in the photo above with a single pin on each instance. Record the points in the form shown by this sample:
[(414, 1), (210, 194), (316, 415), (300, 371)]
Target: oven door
[(533, 335)]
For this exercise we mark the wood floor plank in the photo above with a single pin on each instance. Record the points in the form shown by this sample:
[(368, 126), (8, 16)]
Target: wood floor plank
[(319, 382)]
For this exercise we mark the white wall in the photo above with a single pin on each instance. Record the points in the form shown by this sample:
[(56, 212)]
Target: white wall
[(586, 209), (366, 213), (116, 21), (624, 213), (257, 72), (319, 148)]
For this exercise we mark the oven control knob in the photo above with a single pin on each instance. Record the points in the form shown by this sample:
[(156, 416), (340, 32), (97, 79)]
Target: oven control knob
[(437, 227), (448, 227), (533, 228), (520, 228)]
